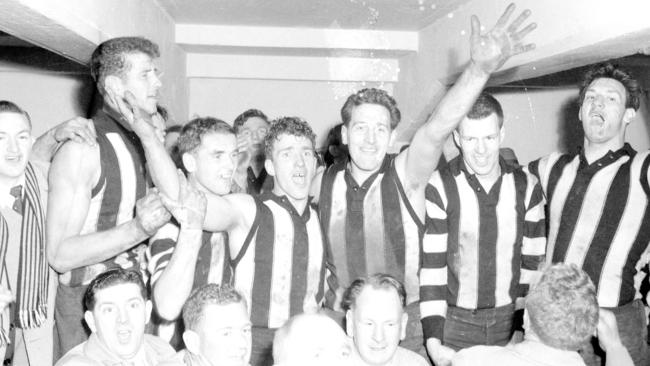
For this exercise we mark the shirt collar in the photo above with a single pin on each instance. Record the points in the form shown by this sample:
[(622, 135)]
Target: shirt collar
[(116, 116), (458, 165), (284, 202), (608, 158)]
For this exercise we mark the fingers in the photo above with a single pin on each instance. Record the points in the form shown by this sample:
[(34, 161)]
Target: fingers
[(133, 105), (476, 27), (517, 49), (503, 20), (521, 34), (512, 28)]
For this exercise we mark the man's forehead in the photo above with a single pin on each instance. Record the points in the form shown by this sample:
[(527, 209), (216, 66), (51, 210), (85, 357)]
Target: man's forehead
[(290, 141), (223, 316), (255, 123), (13, 120), (218, 141), (608, 84), (118, 293)]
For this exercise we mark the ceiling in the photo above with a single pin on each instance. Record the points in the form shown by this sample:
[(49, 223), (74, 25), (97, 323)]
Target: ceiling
[(406, 15)]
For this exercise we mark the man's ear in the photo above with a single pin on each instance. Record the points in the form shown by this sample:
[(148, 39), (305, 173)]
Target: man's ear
[(502, 133), (393, 136), (344, 134), (405, 320), (628, 115), (268, 165), (113, 84), (90, 320), (192, 342), (189, 162), (349, 321), (147, 308)]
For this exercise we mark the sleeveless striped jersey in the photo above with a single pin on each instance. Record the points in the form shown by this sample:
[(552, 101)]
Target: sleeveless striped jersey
[(599, 218), (281, 266), (122, 182)]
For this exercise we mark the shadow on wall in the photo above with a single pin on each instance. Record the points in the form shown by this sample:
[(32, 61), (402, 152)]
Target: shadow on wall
[(570, 128)]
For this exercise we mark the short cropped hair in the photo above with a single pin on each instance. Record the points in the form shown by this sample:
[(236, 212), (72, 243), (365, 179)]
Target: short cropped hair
[(562, 307), (109, 57), (210, 294), (611, 71), (376, 281), (11, 107), (194, 130), (486, 105), (242, 118), (110, 278), (371, 96), (294, 126)]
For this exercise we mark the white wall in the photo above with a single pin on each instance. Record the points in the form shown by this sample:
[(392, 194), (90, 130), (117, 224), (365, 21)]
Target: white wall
[(539, 121), (49, 98), (318, 102)]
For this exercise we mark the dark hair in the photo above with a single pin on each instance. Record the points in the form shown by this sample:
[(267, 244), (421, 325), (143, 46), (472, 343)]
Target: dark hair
[(193, 131), (242, 118), (174, 128), (11, 107), (109, 57), (485, 105), (377, 281), (371, 96), (210, 294), (611, 71), (110, 278), (294, 126), (562, 307)]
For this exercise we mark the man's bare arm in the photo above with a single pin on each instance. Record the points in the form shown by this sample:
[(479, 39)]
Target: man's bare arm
[(174, 285), (74, 172), (488, 53)]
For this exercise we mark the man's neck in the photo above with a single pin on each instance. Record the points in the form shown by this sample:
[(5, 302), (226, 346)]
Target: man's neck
[(359, 175), (298, 204), (257, 164), (594, 151), (6, 183)]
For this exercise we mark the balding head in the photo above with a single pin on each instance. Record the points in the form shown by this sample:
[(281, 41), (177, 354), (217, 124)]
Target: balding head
[(311, 339)]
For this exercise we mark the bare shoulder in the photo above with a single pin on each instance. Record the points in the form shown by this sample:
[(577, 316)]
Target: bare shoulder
[(75, 162)]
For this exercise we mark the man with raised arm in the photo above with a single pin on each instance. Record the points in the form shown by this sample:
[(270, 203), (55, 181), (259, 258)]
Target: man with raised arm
[(484, 243), (181, 255), (275, 239), (99, 211), (373, 206)]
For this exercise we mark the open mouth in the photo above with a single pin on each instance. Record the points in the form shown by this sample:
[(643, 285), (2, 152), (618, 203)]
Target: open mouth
[(299, 178), (124, 336), (596, 117)]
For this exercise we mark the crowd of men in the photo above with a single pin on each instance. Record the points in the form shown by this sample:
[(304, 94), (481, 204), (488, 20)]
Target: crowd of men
[(243, 248)]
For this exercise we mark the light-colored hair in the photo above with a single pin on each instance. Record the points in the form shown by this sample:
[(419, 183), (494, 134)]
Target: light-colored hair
[(562, 307), (210, 294)]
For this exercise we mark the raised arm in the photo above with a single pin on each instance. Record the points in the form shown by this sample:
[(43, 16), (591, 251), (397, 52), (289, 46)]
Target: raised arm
[(173, 286), (74, 172), (489, 52)]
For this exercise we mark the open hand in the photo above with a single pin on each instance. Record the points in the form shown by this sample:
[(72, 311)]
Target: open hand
[(491, 50), (140, 121)]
